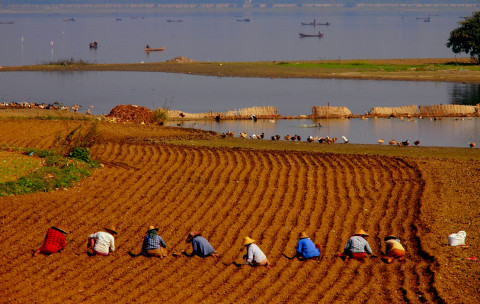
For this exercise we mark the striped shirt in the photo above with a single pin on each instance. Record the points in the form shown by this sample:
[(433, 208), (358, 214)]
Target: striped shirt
[(357, 244), (153, 243)]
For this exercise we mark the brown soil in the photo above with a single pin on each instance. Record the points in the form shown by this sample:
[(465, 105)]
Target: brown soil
[(227, 194)]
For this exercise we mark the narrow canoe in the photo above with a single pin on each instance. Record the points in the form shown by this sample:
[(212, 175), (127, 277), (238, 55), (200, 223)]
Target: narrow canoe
[(156, 49)]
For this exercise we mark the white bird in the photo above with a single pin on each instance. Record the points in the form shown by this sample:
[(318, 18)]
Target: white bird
[(345, 139)]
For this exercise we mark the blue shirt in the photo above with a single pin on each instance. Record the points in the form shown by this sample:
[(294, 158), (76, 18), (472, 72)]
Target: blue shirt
[(357, 244), (153, 243), (307, 248), (201, 246)]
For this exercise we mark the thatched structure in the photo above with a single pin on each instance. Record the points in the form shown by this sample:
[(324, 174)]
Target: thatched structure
[(330, 112), (243, 113), (257, 111), (387, 111), (448, 110)]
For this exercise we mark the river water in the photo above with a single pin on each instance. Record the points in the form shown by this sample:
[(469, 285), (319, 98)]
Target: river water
[(218, 36)]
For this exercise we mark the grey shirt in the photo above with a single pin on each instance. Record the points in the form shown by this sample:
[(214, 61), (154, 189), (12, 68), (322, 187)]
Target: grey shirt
[(201, 246)]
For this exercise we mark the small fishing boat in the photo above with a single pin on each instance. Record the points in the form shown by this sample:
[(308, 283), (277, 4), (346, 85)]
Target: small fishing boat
[(149, 49), (69, 19), (93, 45), (7, 22), (244, 20), (174, 20), (319, 35)]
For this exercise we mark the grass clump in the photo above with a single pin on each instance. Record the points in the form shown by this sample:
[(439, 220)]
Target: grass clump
[(57, 172), (68, 163), (66, 62)]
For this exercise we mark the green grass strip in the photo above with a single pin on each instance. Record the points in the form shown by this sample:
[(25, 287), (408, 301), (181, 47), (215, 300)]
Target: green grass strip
[(57, 172)]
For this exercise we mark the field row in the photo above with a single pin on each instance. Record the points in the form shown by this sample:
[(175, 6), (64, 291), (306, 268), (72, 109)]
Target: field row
[(226, 194)]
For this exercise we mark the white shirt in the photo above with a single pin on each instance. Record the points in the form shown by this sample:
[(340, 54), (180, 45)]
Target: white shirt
[(255, 254), (103, 242)]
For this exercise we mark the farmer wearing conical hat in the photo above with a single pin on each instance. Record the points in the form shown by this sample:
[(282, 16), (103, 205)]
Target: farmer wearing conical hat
[(102, 242), (255, 256), (357, 245), (394, 250), (153, 244), (54, 241), (201, 246), (306, 249)]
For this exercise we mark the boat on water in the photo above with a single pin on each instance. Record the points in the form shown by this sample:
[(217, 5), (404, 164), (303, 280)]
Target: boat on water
[(319, 35), (149, 49), (174, 20), (243, 20), (315, 23), (7, 22), (93, 45), (69, 19)]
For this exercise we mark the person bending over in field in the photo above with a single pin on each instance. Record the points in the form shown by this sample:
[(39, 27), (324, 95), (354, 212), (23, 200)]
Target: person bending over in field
[(54, 241), (102, 242), (306, 249), (394, 250), (356, 246), (153, 244), (201, 246), (255, 256)]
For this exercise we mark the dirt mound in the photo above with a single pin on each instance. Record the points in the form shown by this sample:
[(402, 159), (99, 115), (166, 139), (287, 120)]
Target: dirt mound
[(131, 113), (180, 59), (228, 194)]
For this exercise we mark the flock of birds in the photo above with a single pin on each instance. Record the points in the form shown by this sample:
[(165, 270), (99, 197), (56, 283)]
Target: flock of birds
[(321, 140)]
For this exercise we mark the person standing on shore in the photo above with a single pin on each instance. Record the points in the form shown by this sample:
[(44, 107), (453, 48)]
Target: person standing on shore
[(54, 241), (201, 246), (356, 246), (255, 256), (102, 242)]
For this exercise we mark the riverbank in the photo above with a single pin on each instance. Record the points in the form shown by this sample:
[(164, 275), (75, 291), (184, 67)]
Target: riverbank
[(426, 69)]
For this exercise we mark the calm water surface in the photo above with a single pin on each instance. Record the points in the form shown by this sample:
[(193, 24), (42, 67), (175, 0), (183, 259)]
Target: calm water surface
[(217, 36), (194, 94)]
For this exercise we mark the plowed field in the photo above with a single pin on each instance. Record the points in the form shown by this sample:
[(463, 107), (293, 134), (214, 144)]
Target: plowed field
[(228, 194)]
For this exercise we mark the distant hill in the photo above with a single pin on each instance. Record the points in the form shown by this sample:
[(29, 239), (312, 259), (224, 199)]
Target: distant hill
[(236, 3)]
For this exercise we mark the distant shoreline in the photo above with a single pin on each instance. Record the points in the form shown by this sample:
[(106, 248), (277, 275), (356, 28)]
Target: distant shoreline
[(151, 7), (425, 69)]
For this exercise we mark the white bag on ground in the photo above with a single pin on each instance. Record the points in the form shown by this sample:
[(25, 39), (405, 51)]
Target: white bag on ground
[(457, 239)]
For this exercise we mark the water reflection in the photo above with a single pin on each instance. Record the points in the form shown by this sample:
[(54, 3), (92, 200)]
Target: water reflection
[(446, 132), (465, 94)]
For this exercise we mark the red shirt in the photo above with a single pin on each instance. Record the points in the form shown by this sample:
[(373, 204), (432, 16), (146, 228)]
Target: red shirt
[(54, 240)]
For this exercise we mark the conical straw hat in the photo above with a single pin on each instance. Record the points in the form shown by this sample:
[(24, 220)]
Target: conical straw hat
[(303, 235), (152, 228), (361, 232), (247, 241), (111, 229), (60, 228)]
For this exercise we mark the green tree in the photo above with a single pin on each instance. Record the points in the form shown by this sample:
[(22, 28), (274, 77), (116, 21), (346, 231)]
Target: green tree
[(466, 38)]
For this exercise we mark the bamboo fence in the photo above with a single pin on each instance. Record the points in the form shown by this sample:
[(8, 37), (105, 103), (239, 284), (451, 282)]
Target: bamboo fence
[(386, 111), (328, 111), (448, 110), (259, 112)]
